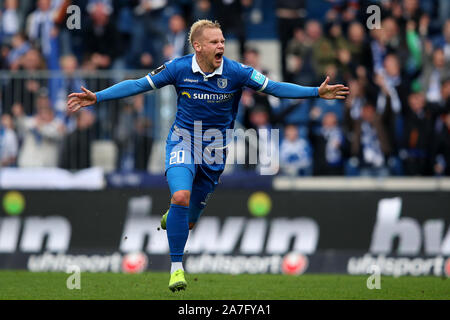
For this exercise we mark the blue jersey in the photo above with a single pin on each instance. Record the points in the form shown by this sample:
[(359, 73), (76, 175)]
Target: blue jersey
[(210, 98)]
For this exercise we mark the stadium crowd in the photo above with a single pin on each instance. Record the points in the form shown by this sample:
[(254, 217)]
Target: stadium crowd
[(396, 120)]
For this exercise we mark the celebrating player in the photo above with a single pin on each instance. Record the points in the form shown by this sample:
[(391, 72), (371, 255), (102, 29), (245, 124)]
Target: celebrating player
[(209, 88)]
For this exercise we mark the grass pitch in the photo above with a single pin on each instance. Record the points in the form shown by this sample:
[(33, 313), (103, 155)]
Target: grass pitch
[(19, 285)]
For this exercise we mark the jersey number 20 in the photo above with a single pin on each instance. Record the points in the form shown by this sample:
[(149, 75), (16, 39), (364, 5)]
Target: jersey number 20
[(177, 157)]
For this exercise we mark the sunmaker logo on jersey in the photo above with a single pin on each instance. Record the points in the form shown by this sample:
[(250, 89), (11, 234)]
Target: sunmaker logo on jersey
[(209, 97), (212, 97)]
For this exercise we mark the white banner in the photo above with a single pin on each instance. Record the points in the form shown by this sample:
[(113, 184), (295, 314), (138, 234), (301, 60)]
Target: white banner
[(51, 178)]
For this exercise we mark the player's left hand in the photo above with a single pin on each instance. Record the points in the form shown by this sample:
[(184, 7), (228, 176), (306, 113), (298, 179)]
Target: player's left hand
[(80, 100), (337, 91)]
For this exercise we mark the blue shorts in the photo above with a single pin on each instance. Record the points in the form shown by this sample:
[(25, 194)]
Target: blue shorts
[(184, 153), (201, 181)]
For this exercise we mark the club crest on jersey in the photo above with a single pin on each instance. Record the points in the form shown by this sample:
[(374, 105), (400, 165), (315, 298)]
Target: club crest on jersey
[(158, 70), (222, 83)]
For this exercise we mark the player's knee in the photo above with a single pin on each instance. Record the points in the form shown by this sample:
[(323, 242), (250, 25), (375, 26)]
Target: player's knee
[(191, 225), (181, 198)]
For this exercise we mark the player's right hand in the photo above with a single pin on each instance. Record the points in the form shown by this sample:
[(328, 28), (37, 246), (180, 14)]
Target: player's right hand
[(79, 100)]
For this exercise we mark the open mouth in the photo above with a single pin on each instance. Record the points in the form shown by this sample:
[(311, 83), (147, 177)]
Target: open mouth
[(219, 55)]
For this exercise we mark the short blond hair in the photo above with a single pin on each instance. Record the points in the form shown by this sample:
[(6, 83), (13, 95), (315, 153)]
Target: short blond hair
[(198, 27)]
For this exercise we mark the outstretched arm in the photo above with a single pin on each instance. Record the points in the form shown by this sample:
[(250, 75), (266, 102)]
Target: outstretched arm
[(121, 90), (293, 91)]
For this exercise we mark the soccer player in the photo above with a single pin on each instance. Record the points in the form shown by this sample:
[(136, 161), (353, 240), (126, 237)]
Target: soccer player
[(209, 88)]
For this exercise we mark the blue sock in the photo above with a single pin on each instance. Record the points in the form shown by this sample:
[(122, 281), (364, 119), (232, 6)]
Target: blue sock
[(177, 231)]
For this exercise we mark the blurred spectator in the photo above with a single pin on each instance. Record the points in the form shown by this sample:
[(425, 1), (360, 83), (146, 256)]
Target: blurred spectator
[(149, 34), (32, 61), (177, 42), (132, 138), (392, 86), (20, 46), (340, 46), (354, 103), (443, 13), (250, 98), (446, 40), (124, 20), (230, 14), (441, 146), (359, 48), (25, 8), (41, 30), (411, 11), (182, 7), (124, 136), (418, 130), (10, 20), (42, 135), (295, 153), (299, 66), (290, 15), (17, 114), (4, 52), (395, 40), (390, 94), (277, 113), (320, 107), (202, 10), (143, 143), (68, 83), (67, 38), (265, 148), (370, 146), (76, 147), (26, 89), (444, 103), (102, 41), (435, 69), (322, 50), (310, 52), (343, 11), (328, 144), (9, 144), (378, 49)]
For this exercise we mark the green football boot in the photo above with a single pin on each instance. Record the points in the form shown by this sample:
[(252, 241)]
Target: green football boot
[(177, 281), (164, 220)]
